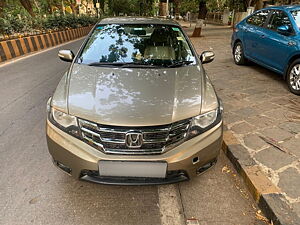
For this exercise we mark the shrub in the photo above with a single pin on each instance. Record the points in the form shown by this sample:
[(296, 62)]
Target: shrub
[(13, 24)]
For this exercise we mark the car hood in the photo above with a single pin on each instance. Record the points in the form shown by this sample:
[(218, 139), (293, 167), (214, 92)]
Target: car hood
[(134, 96)]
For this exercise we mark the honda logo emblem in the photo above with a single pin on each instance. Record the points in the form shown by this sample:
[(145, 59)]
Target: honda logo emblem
[(134, 139)]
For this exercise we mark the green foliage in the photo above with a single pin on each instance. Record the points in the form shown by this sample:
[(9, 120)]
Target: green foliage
[(131, 7), (217, 5), (189, 6), (13, 24), (5, 26)]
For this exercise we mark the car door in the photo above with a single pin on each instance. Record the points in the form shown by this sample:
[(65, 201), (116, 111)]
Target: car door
[(253, 30), (278, 46)]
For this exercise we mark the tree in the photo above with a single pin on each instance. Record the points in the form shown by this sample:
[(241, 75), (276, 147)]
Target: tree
[(202, 9), (201, 16), (28, 6), (2, 5), (124, 6), (188, 6)]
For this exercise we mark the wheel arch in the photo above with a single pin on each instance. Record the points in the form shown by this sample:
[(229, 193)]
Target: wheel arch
[(290, 61)]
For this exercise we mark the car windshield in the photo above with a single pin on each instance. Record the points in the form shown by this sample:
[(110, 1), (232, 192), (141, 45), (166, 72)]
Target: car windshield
[(296, 15), (134, 45)]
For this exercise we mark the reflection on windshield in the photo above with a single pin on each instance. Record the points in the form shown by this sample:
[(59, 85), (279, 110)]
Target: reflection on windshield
[(137, 44)]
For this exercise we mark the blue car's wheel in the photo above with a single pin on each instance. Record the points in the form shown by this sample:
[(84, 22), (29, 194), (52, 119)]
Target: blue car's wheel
[(238, 54), (293, 77)]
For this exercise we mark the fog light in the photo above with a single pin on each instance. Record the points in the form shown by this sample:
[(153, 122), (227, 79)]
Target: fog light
[(206, 166), (63, 167)]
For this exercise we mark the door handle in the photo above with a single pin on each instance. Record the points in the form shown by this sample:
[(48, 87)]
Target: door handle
[(262, 36)]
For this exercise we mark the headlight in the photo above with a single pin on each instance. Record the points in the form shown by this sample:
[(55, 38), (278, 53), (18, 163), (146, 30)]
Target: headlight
[(205, 121), (63, 121)]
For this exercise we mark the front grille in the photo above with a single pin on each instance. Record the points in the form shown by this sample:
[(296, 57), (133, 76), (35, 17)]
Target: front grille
[(155, 139)]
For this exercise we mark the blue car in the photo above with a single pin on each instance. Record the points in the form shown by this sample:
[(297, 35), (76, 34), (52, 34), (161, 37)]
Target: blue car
[(271, 37)]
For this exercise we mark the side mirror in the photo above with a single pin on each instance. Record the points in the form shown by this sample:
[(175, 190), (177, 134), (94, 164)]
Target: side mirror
[(66, 55), (207, 57), (284, 29)]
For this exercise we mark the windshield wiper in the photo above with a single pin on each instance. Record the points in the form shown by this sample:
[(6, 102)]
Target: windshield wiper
[(137, 65), (121, 64), (179, 63), (106, 64)]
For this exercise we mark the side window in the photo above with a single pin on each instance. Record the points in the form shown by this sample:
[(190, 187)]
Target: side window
[(259, 18), (279, 18)]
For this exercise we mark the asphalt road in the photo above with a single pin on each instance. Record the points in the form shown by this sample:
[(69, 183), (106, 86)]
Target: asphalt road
[(33, 191)]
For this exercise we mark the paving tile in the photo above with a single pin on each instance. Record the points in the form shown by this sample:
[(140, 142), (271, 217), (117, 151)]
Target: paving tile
[(254, 142), (266, 106), (293, 107), (291, 126), (260, 121), (276, 133), (274, 158), (289, 182), (237, 95), (258, 98), (296, 207), (239, 104), (295, 99), (228, 107), (231, 118), (293, 146), (242, 128), (279, 114), (281, 101), (247, 112)]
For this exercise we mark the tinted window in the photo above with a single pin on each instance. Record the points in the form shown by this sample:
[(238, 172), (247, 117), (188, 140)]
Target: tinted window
[(140, 43), (279, 18), (259, 18)]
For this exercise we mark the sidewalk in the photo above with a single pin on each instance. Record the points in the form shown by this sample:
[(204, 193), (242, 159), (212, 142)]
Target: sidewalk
[(262, 117)]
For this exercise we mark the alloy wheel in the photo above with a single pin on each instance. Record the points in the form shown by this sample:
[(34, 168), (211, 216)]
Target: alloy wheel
[(294, 77), (238, 53)]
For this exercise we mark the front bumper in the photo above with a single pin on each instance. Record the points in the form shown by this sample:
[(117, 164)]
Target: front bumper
[(183, 162)]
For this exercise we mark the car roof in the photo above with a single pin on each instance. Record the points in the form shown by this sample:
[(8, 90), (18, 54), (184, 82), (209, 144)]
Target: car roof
[(285, 7), (138, 20)]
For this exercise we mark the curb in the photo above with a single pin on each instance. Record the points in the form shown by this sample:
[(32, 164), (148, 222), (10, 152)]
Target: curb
[(269, 197), (17, 47)]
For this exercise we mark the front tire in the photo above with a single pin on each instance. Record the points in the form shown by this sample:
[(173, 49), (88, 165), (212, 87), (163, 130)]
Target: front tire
[(293, 77), (238, 54)]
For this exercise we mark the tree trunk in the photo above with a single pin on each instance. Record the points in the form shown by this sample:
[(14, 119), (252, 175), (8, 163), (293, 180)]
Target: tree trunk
[(202, 10), (102, 2), (49, 6), (177, 8), (2, 5), (74, 9), (201, 18), (28, 6)]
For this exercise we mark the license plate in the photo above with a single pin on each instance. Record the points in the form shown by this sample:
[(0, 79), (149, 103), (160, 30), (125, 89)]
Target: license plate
[(132, 169)]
